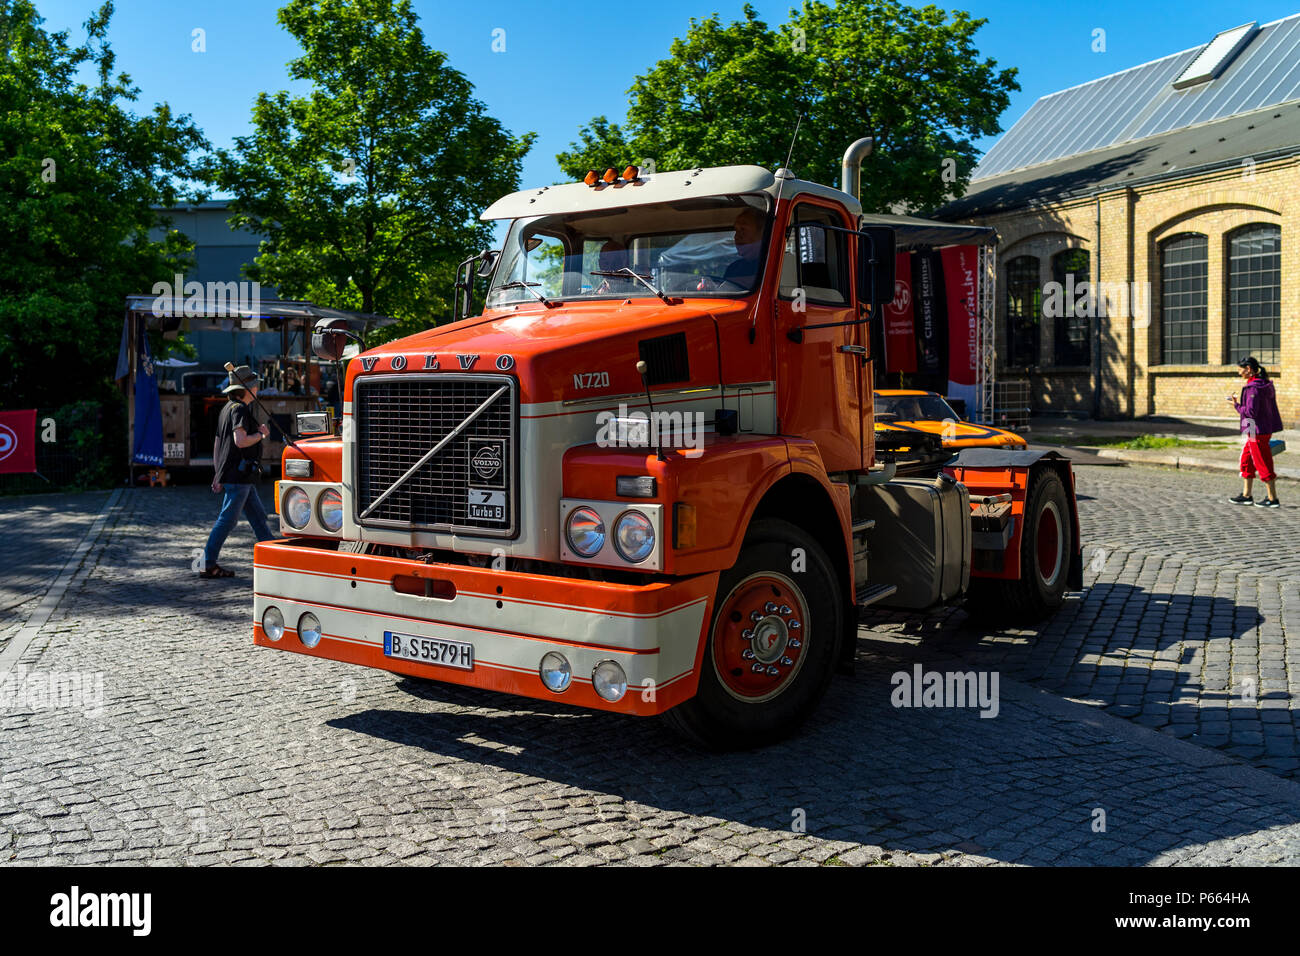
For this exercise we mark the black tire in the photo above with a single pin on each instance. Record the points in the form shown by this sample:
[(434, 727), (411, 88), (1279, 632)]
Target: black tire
[(1038, 592), (716, 718)]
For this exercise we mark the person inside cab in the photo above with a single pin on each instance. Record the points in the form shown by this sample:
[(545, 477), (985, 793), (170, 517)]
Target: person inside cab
[(613, 256), (748, 239)]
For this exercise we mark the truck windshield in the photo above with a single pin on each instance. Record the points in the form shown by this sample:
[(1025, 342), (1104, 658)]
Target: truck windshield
[(711, 246)]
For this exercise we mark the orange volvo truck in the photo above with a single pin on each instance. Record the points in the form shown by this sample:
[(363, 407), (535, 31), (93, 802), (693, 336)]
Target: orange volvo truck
[(645, 478)]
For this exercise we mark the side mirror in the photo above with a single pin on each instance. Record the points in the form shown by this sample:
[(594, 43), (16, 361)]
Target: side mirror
[(876, 279), (487, 262), (330, 337)]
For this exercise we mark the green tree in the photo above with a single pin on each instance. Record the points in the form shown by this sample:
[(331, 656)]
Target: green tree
[(80, 175), (368, 189), (910, 77)]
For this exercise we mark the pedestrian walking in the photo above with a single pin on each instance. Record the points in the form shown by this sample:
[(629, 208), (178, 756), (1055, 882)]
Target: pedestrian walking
[(1257, 406), (236, 453)]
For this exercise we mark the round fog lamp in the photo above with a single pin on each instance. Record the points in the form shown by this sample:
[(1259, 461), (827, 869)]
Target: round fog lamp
[(309, 630), (330, 510), (297, 508), (634, 536), (555, 672), (585, 531), (609, 680), (273, 623)]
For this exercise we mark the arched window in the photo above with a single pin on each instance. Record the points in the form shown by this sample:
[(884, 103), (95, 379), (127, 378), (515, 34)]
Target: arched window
[(1184, 309), (1070, 269), (1255, 293), (1023, 312)]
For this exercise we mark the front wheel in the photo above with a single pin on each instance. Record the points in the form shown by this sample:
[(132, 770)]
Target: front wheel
[(772, 644)]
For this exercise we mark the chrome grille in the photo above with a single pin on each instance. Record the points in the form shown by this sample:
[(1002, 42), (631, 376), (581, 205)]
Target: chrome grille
[(399, 418)]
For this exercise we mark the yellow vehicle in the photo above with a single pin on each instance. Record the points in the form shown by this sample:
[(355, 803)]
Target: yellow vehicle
[(910, 410)]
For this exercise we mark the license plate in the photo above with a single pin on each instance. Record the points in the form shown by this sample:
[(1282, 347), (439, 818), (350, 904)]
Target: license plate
[(174, 449), (429, 650), (485, 505)]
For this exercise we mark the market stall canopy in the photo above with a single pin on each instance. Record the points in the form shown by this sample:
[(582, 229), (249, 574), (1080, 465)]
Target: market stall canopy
[(271, 314), (913, 233)]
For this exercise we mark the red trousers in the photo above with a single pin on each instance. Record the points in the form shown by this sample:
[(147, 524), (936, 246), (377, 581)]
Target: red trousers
[(1257, 456)]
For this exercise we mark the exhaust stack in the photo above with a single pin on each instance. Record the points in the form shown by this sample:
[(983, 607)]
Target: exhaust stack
[(851, 169)]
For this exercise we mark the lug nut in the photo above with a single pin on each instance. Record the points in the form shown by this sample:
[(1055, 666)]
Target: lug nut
[(794, 625), (747, 633), (747, 654), (756, 668), (785, 609), (755, 616), (772, 671), (794, 643), (786, 662), (769, 608)]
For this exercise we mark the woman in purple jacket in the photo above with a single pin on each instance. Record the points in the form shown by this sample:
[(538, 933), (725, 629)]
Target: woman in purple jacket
[(1257, 407)]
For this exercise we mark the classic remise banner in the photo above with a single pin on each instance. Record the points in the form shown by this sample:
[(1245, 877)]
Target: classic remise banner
[(930, 314), (18, 442)]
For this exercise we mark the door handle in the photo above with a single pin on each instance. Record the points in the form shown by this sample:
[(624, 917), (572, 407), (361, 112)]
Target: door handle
[(853, 349)]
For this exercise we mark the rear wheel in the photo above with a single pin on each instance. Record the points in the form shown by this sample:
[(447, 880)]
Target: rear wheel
[(1046, 546), (772, 644)]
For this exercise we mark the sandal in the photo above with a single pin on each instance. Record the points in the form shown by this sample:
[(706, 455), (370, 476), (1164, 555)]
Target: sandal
[(216, 571)]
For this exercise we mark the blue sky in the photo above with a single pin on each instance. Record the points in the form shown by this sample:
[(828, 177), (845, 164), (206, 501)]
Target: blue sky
[(566, 62)]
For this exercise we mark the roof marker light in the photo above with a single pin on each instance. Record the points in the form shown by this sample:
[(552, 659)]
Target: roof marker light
[(611, 174), (591, 178)]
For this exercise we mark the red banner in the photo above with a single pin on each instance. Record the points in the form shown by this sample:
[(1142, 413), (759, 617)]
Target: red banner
[(961, 285), (900, 332), (18, 442)]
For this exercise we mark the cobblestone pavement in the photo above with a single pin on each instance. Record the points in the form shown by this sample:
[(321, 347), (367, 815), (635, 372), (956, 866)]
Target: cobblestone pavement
[(41, 533), (1190, 622), (205, 749)]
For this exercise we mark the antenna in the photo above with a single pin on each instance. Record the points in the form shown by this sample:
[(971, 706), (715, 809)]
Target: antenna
[(780, 187)]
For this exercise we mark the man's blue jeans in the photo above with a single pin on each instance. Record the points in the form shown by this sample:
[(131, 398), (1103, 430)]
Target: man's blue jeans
[(236, 498)]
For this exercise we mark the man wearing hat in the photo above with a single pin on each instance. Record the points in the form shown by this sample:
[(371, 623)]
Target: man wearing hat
[(236, 451)]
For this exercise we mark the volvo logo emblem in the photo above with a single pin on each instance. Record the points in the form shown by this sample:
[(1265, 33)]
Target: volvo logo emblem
[(487, 461), (467, 361), (368, 361), (431, 362), (505, 362), (398, 363)]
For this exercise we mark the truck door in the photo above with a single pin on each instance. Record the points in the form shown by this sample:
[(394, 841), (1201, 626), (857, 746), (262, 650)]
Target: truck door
[(819, 379)]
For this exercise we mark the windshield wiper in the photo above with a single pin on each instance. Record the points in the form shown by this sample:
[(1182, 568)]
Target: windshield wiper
[(528, 287), (639, 277)]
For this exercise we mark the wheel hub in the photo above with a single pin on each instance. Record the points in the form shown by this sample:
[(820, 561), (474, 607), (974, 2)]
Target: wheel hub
[(758, 638)]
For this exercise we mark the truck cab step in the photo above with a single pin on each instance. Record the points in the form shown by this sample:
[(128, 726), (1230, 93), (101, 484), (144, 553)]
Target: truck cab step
[(875, 592)]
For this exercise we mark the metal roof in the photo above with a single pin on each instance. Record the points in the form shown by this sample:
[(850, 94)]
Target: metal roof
[(1254, 137), (1142, 102)]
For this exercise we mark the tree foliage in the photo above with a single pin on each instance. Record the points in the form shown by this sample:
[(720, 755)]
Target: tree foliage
[(911, 77), (80, 175), (367, 190)]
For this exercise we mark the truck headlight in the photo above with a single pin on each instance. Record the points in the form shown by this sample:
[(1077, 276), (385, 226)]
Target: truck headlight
[(585, 531), (273, 623), (634, 536), (609, 681), (297, 508), (330, 510), (309, 630)]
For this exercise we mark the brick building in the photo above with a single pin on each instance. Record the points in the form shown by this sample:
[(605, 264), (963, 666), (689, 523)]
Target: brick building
[(1147, 227)]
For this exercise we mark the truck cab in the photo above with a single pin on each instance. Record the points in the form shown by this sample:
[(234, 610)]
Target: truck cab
[(643, 477)]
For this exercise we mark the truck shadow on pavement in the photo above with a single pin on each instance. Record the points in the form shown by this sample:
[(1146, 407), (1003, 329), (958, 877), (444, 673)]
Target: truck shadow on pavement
[(1022, 786), (1194, 666)]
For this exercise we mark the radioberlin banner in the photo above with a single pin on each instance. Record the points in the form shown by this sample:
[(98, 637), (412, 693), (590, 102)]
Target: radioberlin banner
[(961, 290), (900, 332), (18, 442)]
